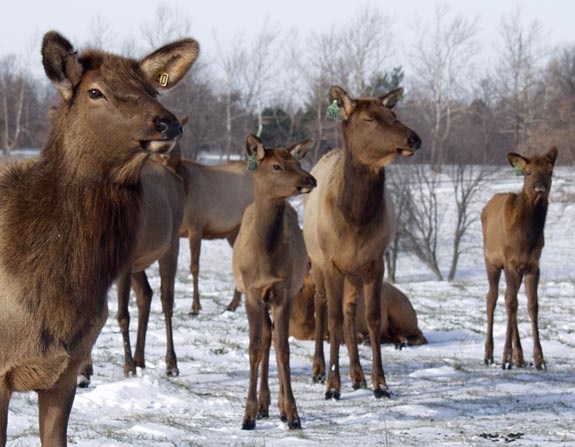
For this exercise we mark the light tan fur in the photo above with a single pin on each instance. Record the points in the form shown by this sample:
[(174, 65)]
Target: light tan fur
[(513, 239), (348, 223), (269, 262), (68, 218)]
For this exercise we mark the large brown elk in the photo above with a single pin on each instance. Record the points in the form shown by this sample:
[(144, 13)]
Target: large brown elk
[(67, 219), (269, 263), (158, 240), (216, 197), (513, 239), (398, 318), (348, 223)]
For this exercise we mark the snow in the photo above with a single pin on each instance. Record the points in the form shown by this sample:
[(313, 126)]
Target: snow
[(442, 393)]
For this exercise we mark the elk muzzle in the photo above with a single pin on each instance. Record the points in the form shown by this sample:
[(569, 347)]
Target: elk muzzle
[(309, 182), (170, 129)]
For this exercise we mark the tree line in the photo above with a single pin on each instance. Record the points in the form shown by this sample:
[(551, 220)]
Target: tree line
[(275, 85)]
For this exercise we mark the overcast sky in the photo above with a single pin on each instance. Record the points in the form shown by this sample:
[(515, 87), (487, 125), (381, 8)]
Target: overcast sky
[(24, 22)]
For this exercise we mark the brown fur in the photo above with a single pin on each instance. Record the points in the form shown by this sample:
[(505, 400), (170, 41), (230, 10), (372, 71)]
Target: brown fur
[(512, 242), (216, 197), (348, 223), (67, 219), (269, 262), (398, 317)]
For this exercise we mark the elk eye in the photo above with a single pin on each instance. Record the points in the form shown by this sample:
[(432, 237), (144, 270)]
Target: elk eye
[(368, 120), (94, 93), (277, 167)]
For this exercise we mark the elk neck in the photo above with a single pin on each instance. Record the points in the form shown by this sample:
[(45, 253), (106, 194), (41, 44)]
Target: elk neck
[(531, 213), (361, 195), (268, 220)]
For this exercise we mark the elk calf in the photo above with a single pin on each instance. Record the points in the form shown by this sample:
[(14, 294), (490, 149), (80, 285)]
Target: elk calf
[(68, 218), (512, 241), (348, 223), (269, 262)]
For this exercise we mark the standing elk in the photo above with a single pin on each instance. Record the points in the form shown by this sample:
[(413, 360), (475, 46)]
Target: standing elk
[(216, 197), (269, 262), (158, 239), (398, 318), (348, 223), (67, 219), (513, 239)]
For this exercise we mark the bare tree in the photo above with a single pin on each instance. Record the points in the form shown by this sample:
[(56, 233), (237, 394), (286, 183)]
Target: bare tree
[(442, 63)]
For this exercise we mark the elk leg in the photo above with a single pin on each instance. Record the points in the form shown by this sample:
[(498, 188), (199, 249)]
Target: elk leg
[(195, 240), (493, 276), (372, 296), (55, 406), (264, 398), (320, 307), (351, 293), (168, 269), (531, 283), (513, 280), (5, 395), (286, 401), (144, 301), (255, 313), (334, 289), (237, 298), (123, 317)]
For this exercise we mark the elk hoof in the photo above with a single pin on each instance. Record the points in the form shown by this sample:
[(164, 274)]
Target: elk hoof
[(295, 424), (506, 365), (194, 313), (249, 424), (488, 361), (332, 394), (382, 392), (319, 378), (172, 372), (263, 414), (540, 367), (83, 381), (359, 385)]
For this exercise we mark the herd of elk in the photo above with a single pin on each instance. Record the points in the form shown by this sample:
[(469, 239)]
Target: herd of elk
[(348, 223), (216, 197), (269, 263), (68, 218), (512, 241), (398, 318), (95, 207)]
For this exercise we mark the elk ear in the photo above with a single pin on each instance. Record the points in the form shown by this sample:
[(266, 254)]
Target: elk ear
[(61, 63), (552, 154), (166, 66), (255, 150), (299, 150), (518, 162), (390, 99), (344, 102), (184, 120)]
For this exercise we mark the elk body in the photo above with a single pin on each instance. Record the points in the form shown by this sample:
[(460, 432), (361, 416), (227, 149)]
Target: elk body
[(67, 219), (512, 242), (398, 317), (269, 262), (348, 223), (216, 197)]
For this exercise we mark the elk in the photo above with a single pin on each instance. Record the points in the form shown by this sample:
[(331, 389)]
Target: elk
[(398, 317), (67, 218), (269, 263), (348, 223), (513, 239), (158, 240), (216, 197)]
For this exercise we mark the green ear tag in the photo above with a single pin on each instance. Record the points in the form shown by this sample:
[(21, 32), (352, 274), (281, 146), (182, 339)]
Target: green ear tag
[(253, 162), (518, 170), (333, 111)]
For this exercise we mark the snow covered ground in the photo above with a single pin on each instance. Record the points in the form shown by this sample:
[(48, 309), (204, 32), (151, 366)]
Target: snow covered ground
[(443, 394)]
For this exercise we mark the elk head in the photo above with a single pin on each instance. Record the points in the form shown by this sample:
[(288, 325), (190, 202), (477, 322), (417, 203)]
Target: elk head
[(371, 129), (278, 171), (537, 172), (110, 113)]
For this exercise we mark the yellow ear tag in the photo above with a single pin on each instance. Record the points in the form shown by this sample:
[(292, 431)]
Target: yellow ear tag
[(162, 78)]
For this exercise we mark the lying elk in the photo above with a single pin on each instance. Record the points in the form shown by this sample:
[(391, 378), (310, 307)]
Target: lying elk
[(348, 223), (158, 240), (398, 317), (269, 262), (67, 219), (512, 241), (216, 197)]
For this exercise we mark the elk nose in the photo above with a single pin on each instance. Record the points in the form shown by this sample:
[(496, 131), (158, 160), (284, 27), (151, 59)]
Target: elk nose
[(171, 128), (311, 181), (540, 187), (414, 141)]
